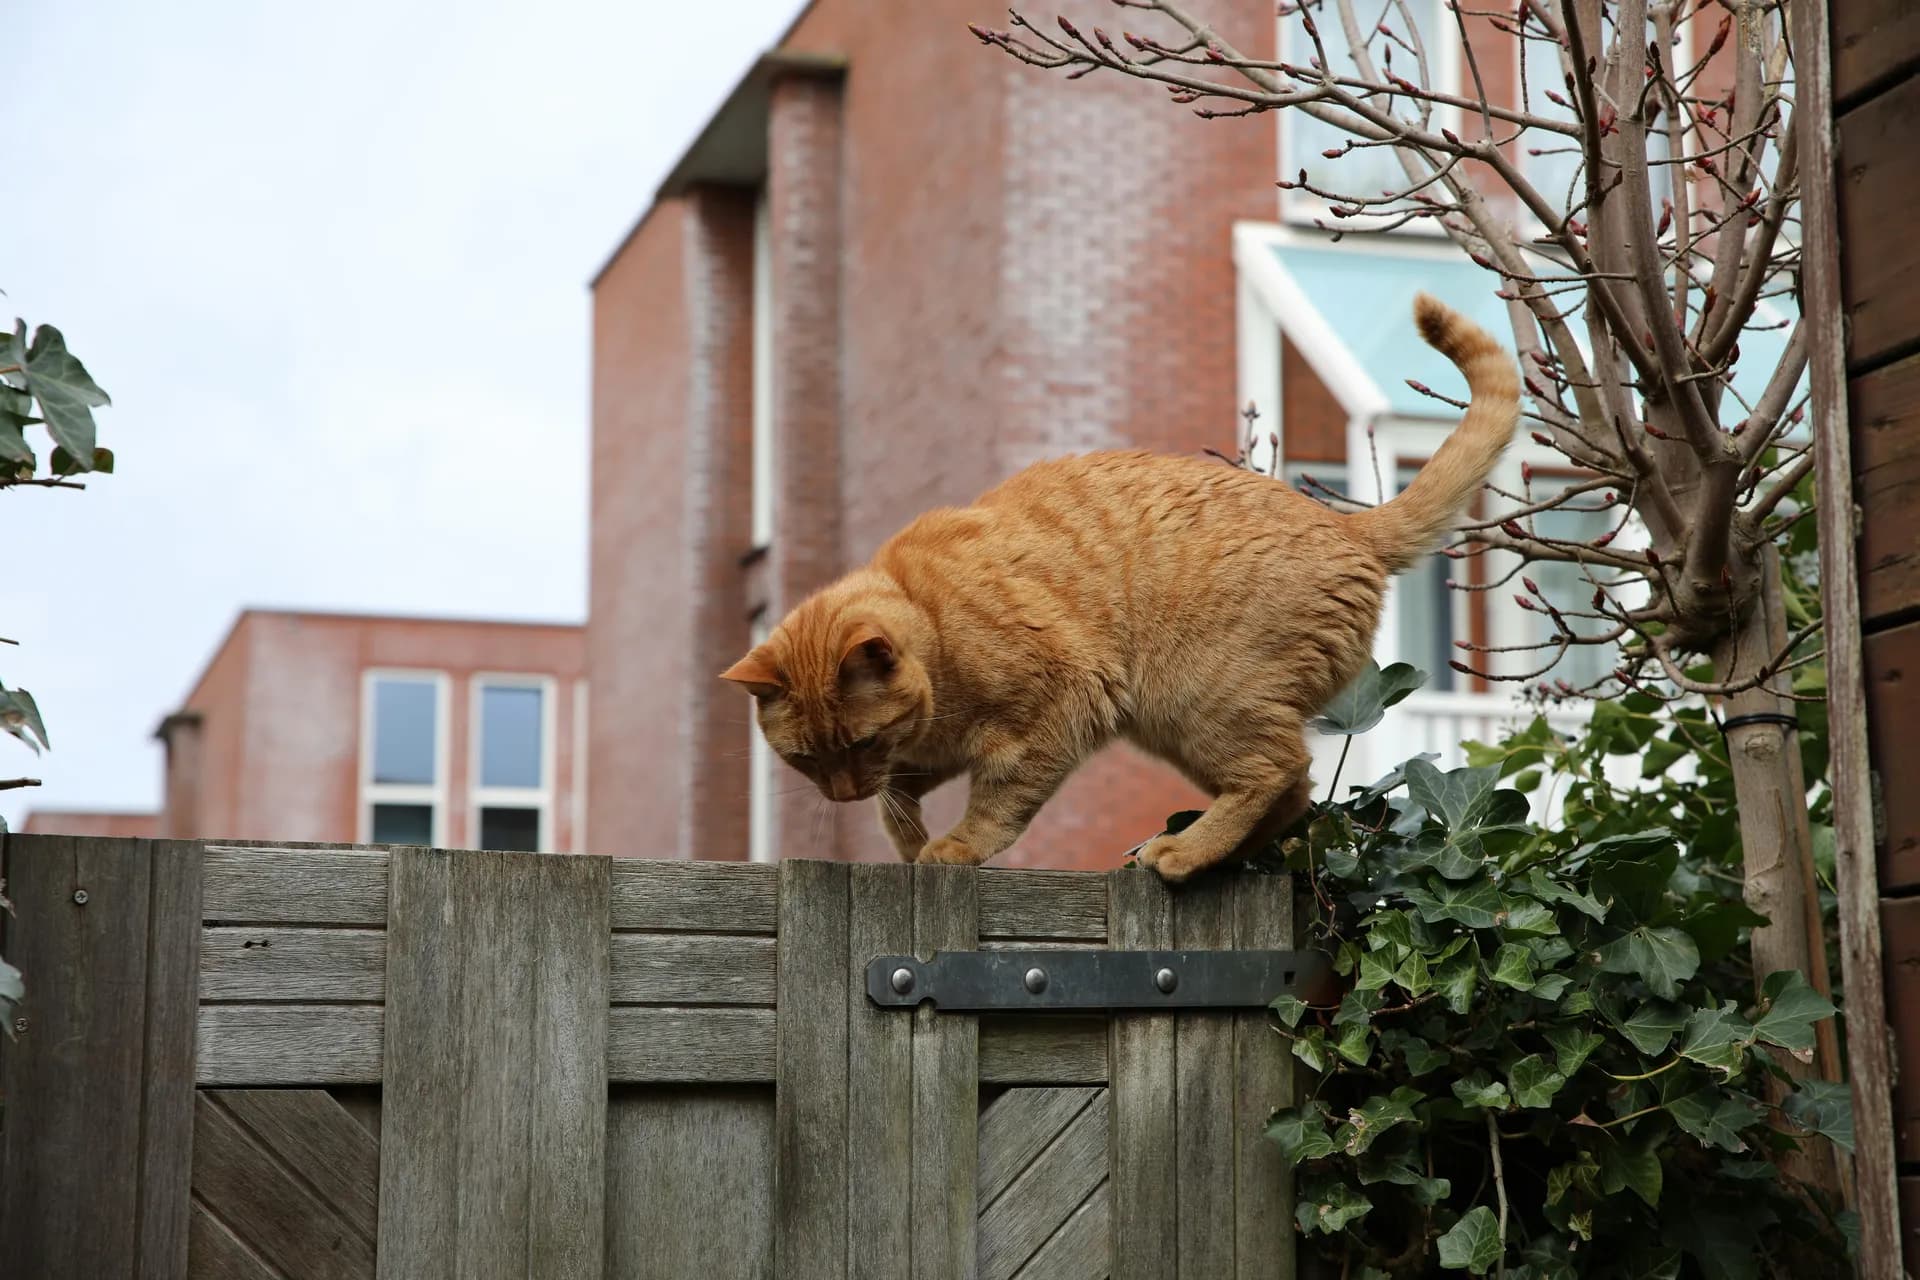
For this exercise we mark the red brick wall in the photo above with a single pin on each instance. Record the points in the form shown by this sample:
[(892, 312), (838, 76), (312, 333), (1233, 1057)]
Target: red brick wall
[(84, 822)]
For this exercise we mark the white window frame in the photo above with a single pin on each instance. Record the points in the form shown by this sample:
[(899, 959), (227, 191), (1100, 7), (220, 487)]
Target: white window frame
[(759, 775), (580, 703), (434, 793), (762, 364), (1444, 61), (539, 798)]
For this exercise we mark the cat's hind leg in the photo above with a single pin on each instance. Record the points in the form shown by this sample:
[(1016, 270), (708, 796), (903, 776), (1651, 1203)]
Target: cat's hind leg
[(1258, 777)]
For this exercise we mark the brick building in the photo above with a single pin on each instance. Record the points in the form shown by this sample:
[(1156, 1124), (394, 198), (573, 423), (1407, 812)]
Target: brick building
[(344, 728), (894, 268)]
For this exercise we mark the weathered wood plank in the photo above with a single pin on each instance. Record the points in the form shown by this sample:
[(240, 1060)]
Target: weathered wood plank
[(1019, 1126), (1055, 1049), (1045, 1194), (1873, 42), (1262, 1081), (690, 1176), (692, 968), (1081, 1249), (261, 1045), (315, 1137), (568, 1120), (810, 1106), (1892, 669), (1140, 1057), (1880, 270), (70, 1150), (218, 1254), (1204, 1092), (946, 1086), (275, 1213), (295, 886), (700, 897), (265, 963), (1854, 862), (714, 1046), (879, 1080), (1900, 927), (1042, 904), (420, 1139), (1885, 407), (166, 1138)]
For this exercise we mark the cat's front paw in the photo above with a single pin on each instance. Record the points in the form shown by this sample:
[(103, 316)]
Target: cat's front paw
[(1170, 859), (946, 851)]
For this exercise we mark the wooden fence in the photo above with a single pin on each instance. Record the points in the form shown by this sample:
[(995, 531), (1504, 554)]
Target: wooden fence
[(242, 1062)]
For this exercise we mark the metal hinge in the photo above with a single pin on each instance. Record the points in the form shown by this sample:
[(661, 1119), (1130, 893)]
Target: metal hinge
[(970, 981)]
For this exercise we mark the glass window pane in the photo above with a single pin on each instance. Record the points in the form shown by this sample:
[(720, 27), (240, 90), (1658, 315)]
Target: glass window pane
[(502, 828), (1426, 621), (404, 716), (403, 824), (1364, 171), (509, 736), (1568, 587)]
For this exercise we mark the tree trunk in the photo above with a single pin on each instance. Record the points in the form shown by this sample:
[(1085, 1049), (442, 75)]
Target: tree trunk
[(1770, 790)]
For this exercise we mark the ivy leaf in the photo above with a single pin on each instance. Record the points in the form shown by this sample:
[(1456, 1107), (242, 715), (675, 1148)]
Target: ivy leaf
[(1366, 1122), (1713, 1117), (1301, 1132), (1353, 1045), (1551, 987), (1472, 1244), (1375, 972), (1311, 1049), (1420, 1056), (1389, 929), (1456, 981), (1328, 1205), (1551, 890), (1529, 919), (1289, 1008), (1631, 872), (1653, 1026), (1792, 1007), (1477, 1089), (1572, 1046), (1717, 1038), (1458, 799), (1533, 1083), (1715, 927), (1475, 904), (1825, 1108), (1621, 1168), (1662, 958), (67, 394), (1363, 704), (20, 717), (1513, 966), (1357, 1008)]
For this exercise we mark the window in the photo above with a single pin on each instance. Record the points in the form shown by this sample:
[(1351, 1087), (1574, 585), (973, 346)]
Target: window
[(403, 739), (762, 406), (1304, 139), (1567, 586), (512, 759), (1558, 171), (759, 775)]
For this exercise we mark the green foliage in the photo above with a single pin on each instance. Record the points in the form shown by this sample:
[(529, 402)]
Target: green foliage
[(41, 384), (1583, 987)]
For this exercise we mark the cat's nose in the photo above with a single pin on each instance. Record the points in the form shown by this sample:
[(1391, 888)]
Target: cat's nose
[(844, 787)]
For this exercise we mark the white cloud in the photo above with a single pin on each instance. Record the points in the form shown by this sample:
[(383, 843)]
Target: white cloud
[(332, 263)]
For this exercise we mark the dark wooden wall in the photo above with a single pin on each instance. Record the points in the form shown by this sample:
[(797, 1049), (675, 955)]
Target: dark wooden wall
[(1876, 103)]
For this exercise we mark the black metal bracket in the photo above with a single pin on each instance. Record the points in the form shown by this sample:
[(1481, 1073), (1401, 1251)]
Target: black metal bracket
[(1016, 981)]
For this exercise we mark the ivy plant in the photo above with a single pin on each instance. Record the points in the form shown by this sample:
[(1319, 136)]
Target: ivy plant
[(1547, 1060)]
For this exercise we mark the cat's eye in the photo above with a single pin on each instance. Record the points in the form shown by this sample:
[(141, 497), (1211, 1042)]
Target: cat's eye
[(865, 743)]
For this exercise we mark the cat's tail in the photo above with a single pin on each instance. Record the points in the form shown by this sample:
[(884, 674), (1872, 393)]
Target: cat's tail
[(1408, 526)]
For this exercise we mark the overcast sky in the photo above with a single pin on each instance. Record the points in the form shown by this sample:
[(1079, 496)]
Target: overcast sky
[(331, 263)]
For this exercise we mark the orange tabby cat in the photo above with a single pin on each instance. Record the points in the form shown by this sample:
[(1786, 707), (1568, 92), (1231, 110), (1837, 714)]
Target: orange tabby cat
[(1199, 611)]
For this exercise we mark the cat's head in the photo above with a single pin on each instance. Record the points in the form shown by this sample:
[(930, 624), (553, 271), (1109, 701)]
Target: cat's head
[(841, 700)]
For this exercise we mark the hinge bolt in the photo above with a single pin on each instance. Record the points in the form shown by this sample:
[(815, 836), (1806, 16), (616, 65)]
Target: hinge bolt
[(1166, 980), (79, 897), (902, 980), (19, 1026), (1036, 980)]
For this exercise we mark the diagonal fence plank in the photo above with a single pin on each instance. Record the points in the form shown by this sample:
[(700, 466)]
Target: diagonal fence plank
[(1019, 1125), (312, 1135), (1046, 1193)]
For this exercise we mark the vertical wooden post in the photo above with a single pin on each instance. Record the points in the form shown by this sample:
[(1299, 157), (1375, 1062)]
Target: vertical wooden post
[(1140, 1065), (879, 1082), (946, 1087), (810, 1106), (493, 1120), (1263, 1080), (1204, 1092), (95, 1158)]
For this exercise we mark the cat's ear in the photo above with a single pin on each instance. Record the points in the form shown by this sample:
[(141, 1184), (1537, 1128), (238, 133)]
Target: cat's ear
[(868, 654), (757, 672)]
